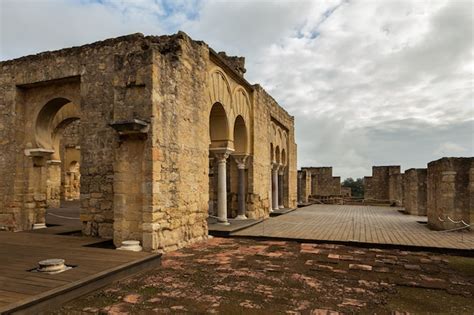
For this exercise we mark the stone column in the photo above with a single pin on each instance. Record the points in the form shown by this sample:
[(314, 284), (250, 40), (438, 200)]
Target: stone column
[(280, 186), (275, 186), (221, 158), (240, 160)]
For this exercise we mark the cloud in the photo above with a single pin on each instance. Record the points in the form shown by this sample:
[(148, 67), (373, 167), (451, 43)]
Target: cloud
[(369, 82), (450, 149)]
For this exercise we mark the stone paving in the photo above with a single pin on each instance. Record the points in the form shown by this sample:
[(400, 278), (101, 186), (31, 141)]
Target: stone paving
[(241, 276), (366, 224)]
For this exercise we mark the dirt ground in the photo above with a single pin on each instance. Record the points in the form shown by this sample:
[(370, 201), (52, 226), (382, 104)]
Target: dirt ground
[(242, 276)]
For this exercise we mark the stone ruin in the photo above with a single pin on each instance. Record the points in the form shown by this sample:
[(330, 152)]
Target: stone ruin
[(385, 184), (414, 191), (152, 133), (318, 183), (444, 191)]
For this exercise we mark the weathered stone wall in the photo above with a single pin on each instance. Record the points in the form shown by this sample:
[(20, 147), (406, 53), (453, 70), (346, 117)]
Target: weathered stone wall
[(414, 191), (152, 183), (379, 186), (180, 145), (449, 191), (304, 186), (322, 181), (395, 189), (267, 110)]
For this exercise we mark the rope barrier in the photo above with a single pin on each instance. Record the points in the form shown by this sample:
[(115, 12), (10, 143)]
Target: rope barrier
[(455, 222)]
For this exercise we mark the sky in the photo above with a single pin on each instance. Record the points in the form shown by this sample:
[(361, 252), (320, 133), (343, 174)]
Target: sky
[(369, 82)]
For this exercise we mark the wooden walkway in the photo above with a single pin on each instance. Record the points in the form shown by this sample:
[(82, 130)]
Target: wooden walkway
[(21, 252), (364, 224)]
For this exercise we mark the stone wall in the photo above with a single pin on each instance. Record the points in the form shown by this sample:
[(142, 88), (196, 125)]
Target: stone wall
[(414, 191), (384, 184), (450, 192), (395, 186), (304, 186), (322, 181)]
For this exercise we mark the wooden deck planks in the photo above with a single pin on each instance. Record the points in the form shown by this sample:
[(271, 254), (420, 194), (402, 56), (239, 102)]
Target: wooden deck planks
[(22, 251), (382, 225)]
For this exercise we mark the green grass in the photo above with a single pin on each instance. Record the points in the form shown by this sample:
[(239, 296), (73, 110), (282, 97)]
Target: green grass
[(425, 301), (463, 264)]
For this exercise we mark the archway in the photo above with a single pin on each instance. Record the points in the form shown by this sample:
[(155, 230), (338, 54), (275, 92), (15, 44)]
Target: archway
[(275, 169), (218, 127), (220, 148), (56, 119), (238, 173)]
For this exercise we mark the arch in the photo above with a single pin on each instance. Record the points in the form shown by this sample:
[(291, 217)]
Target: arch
[(219, 89), (44, 124), (74, 166), (279, 138), (283, 157), (277, 154), (218, 126), (272, 153), (241, 104), (68, 114), (240, 136), (285, 139)]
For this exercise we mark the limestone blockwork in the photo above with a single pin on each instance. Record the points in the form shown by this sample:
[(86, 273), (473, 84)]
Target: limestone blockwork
[(385, 184), (414, 191), (323, 183), (304, 186), (151, 133), (450, 193)]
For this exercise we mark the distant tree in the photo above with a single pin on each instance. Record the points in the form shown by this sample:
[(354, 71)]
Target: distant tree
[(357, 186)]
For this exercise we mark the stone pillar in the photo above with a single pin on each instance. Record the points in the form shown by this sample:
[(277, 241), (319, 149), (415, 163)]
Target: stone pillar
[(300, 187), (221, 158), (280, 187), (275, 186), (240, 160), (37, 186), (53, 183)]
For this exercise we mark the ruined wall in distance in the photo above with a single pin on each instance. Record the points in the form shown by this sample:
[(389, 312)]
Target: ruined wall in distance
[(414, 191)]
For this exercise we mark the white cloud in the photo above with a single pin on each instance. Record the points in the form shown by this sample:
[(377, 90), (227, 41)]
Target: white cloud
[(369, 82), (450, 149)]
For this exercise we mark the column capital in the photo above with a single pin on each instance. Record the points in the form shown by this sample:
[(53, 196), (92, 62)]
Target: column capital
[(275, 166), (221, 154), (240, 160), (281, 169)]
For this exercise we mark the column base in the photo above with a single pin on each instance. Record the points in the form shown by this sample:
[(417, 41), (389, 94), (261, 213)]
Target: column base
[(223, 223), (281, 207), (241, 217), (38, 226)]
